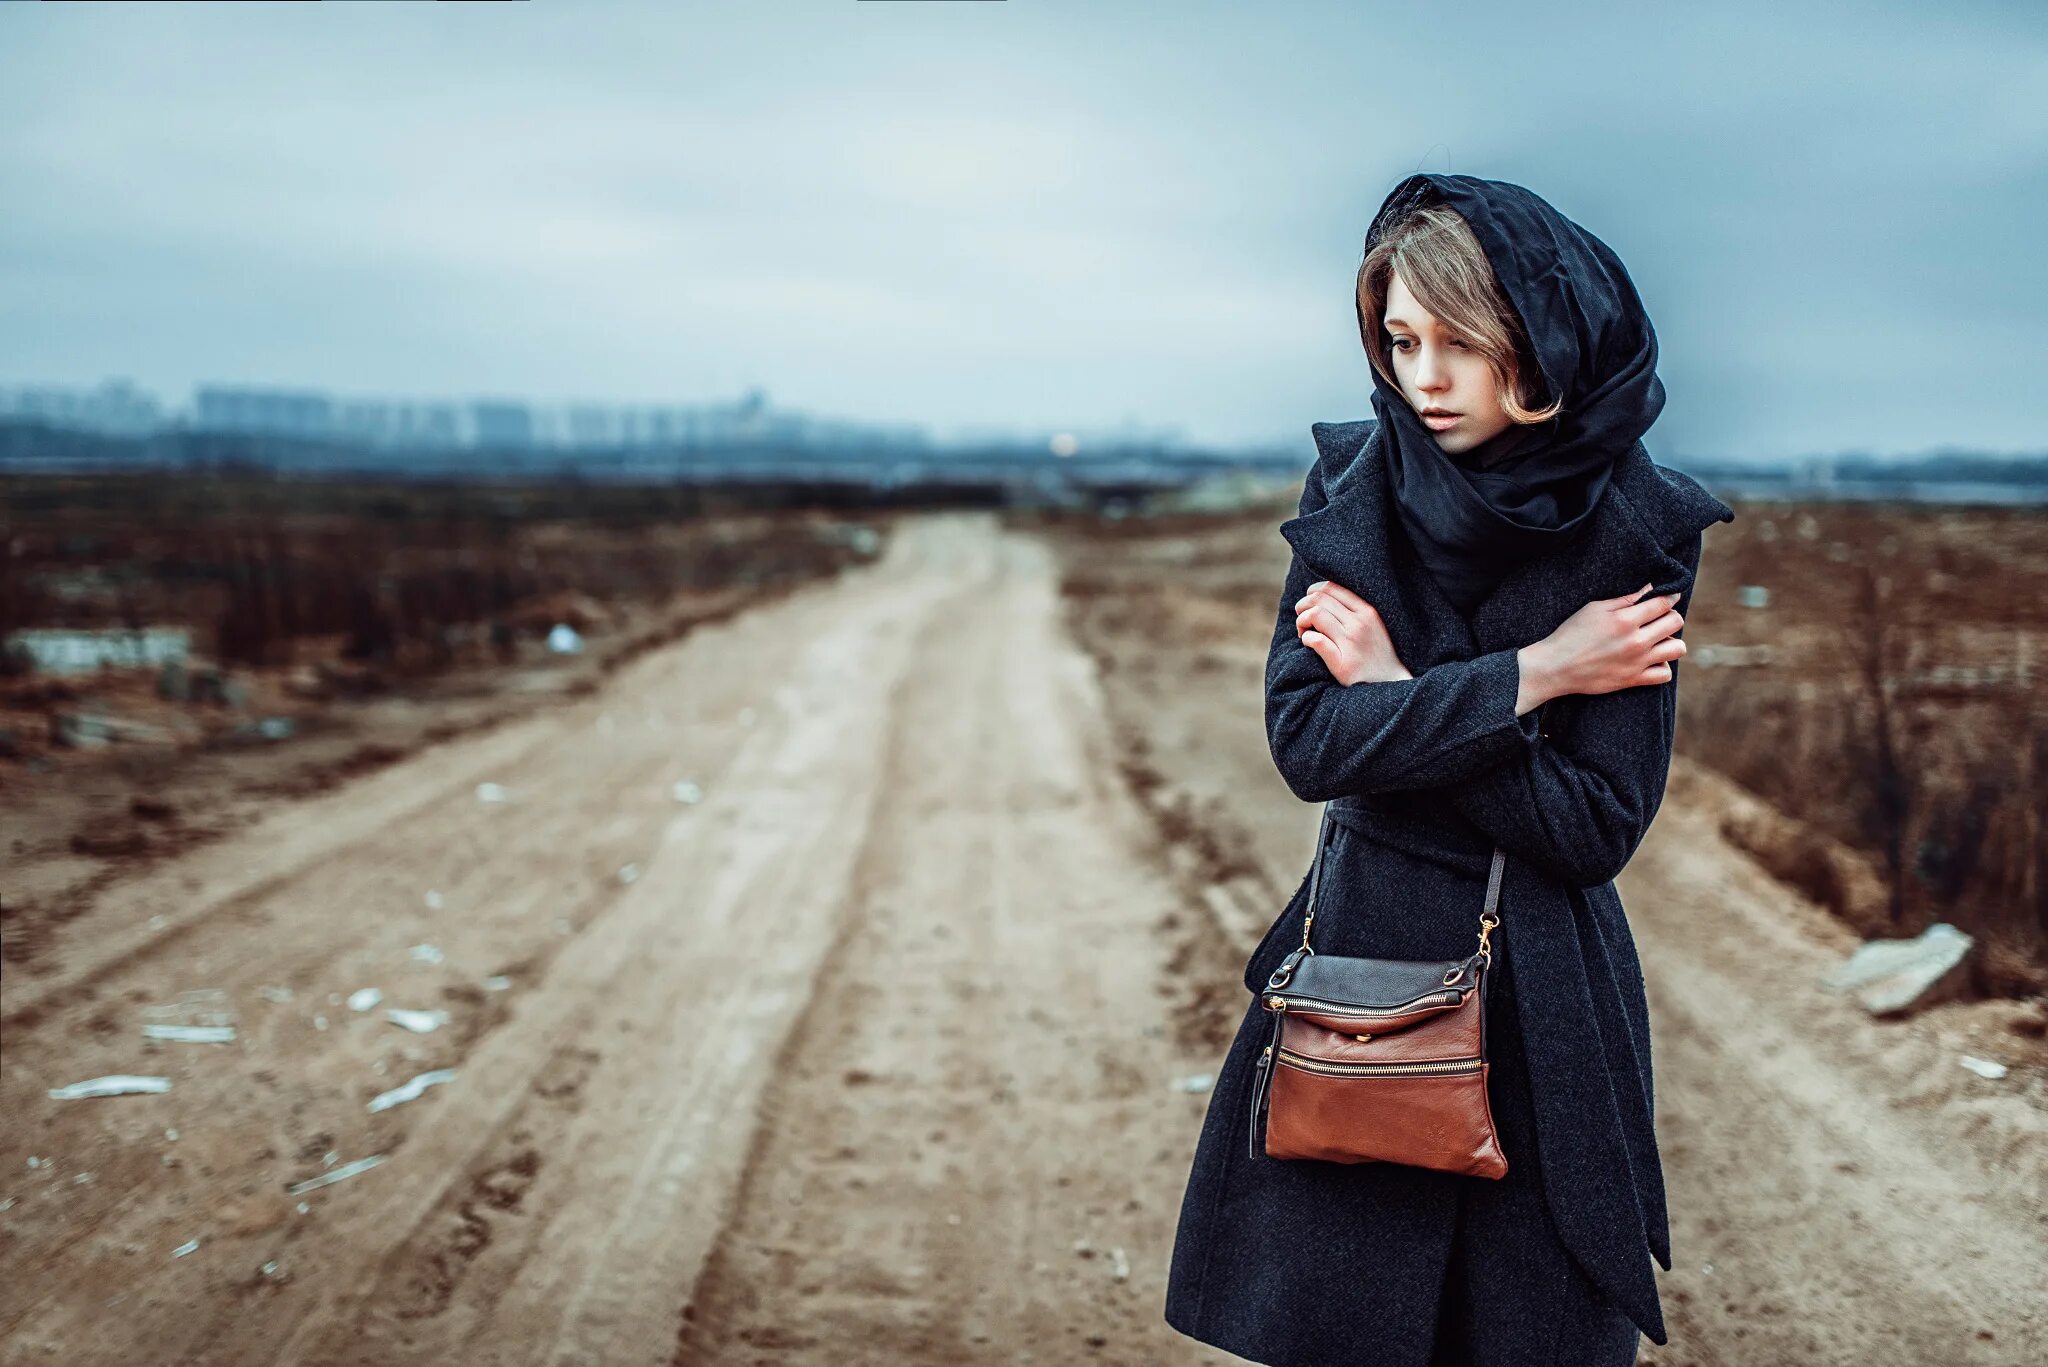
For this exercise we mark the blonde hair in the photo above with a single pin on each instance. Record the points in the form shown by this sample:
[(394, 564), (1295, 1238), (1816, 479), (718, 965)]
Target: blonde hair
[(1446, 270)]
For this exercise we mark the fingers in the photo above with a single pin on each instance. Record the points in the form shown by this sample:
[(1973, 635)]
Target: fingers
[(1661, 650), (1330, 606), (1343, 595), (1657, 628), (1326, 616), (1331, 591), (1651, 609)]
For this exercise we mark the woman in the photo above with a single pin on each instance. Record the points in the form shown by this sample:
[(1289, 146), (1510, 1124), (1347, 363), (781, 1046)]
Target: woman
[(1494, 542)]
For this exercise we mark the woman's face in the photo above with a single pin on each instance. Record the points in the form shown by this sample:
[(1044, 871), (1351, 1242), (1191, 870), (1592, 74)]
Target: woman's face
[(1438, 370)]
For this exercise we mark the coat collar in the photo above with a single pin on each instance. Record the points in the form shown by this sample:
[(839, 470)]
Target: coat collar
[(1354, 539)]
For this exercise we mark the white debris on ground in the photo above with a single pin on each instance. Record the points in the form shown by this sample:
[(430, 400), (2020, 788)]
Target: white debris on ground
[(363, 998), (427, 954), (1890, 977), (1983, 1067), (419, 1022), (113, 1084), (384, 1101), (492, 792), (1729, 656), (203, 1008), (346, 1170), (191, 1034)]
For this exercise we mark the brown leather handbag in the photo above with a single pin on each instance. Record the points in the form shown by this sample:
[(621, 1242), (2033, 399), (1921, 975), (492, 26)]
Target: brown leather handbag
[(1380, 1060)]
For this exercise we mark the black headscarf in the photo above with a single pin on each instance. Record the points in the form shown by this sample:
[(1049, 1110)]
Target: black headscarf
[(1534, 486)]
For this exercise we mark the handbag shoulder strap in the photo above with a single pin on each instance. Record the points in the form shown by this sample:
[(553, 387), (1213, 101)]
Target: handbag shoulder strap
[(1489, 916)]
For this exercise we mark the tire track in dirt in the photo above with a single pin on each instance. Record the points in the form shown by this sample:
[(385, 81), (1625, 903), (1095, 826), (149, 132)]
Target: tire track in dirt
[(637, 1170), (563, 1221), (332, 922), (294, 842), (973, 1150)]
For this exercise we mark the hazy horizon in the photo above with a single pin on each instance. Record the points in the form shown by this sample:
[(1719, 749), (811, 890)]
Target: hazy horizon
[(1015, 215)]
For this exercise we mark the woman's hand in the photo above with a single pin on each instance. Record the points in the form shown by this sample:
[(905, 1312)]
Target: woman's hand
[(1348, 634), (1606, 646)]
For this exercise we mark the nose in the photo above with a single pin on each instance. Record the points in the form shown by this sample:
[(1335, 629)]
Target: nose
[(1430, 374)]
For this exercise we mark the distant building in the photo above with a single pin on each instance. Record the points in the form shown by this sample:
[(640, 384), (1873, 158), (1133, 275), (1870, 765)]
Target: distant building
[(500, 423), (116, 408), (385, 424), (269, 412)]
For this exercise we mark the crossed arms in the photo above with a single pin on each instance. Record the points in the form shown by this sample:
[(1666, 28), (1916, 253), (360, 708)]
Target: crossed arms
[(1577, 810)]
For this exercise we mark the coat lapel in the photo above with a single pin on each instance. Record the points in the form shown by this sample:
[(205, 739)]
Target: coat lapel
[(1627, 546), (1352, 540), (1355, 539)]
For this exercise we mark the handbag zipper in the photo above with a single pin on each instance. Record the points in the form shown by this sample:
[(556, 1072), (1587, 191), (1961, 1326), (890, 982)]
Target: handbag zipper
[(1323, 1008), (1314, 1065), (1266, 1063), (1259, 1082)]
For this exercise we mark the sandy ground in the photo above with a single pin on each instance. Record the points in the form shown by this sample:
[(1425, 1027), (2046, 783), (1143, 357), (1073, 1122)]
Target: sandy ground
[(870, 1055)]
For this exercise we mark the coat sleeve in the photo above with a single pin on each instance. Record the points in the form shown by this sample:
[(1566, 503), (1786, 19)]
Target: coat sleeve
[(1450, 723), (1578, 808)]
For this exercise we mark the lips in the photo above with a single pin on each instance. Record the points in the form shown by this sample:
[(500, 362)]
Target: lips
[(1437, 422)]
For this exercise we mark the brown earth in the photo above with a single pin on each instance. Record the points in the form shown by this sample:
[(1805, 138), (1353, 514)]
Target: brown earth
[(1902, 711), (874, 1053), (186, 772)]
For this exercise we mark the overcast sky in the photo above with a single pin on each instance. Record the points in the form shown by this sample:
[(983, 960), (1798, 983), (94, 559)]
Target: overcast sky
[(1030, 213)]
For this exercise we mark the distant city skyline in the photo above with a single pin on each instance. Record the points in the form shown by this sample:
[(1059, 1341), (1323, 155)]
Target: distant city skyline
[(1026, 217), (120, 407)]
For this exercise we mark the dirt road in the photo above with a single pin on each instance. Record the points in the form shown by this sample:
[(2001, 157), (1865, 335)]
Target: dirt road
[(912, 910), (869, 1054)]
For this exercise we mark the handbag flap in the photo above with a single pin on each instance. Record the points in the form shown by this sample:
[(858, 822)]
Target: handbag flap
[(1444, 999), (1376, 983)]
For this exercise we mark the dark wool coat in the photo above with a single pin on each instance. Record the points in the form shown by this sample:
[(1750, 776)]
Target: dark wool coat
[(1287, 1265)]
